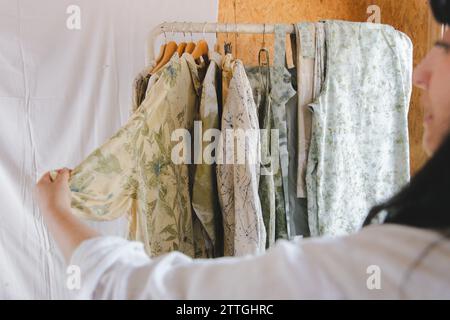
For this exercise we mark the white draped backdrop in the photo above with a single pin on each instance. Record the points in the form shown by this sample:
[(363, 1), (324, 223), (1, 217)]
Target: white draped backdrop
[(64, 91)]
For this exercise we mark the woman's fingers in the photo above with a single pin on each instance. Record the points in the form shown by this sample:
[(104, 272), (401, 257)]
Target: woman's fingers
[(45, 178), (63, 174)]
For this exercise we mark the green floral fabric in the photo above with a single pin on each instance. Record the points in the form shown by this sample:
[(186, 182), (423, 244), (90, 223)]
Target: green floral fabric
[(272, 89), (134, 173), (260, 81), (282, 91), (359, 153)]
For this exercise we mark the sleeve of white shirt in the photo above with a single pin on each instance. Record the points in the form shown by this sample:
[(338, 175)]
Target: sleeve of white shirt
[(113, 268)]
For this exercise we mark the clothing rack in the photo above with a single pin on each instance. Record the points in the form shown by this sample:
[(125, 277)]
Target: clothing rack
[(206, 27)]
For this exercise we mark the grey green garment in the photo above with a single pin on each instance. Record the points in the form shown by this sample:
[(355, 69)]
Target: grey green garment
[(260, 81), (205, 196), (298, 206), (139, 90), (359, 153), (272, 103)]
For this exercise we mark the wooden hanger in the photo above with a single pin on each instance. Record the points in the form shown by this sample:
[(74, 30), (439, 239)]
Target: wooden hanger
[(160, 55), (190, 47), (161, 50), (181, 48), (169, 51), (201, 49)]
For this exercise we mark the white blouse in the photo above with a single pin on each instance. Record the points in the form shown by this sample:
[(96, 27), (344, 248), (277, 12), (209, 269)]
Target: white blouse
[(372, 264)]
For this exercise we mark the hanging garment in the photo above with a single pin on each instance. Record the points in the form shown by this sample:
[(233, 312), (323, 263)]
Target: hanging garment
[(140, 84), (144, 81), (310, 74), (305, 44), (260, 81), (359, 153), (244, 231), (281, 93), (298, 206), (134, 171), (205, 196), (271, 95)]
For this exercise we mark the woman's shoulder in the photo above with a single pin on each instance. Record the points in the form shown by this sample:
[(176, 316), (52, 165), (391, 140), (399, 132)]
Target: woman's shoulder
[(385, 245), (385, 237), (395, 232), (345, 264)]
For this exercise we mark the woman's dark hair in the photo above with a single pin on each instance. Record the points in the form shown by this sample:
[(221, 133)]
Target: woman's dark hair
[(441, 10), (425, 201)]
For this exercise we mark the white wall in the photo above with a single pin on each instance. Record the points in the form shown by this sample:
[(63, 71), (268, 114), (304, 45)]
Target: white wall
[(62, 93)]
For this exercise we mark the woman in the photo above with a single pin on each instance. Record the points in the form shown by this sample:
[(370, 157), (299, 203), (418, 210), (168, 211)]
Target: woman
[(408, 256)]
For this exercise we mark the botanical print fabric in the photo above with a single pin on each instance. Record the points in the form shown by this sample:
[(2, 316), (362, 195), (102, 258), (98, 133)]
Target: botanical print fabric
[(134, 172), (244, 231), (260, 81), (205, 196), (281, 93), (359, 152), (272, 89)]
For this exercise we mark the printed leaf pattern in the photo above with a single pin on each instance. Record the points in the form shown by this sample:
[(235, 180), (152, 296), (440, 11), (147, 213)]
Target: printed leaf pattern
[(359, 154), (244, 230), (133, 172)]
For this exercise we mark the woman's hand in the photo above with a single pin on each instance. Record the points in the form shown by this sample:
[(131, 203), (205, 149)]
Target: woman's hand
[(54, 196), (54, 199)]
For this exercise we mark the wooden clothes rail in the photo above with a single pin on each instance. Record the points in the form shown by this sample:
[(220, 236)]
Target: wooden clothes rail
[(195, 27)]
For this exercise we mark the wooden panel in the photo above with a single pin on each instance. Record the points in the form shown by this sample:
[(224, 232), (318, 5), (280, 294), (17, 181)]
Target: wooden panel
[(409, 16), (281, 11)]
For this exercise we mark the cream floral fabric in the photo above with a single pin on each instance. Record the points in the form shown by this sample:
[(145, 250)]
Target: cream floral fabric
[(359, 152), (244, 231), (133, 172)]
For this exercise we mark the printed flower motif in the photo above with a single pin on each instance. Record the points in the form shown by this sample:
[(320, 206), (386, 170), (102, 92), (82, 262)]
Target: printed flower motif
[(359, 153), (132, 172)]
